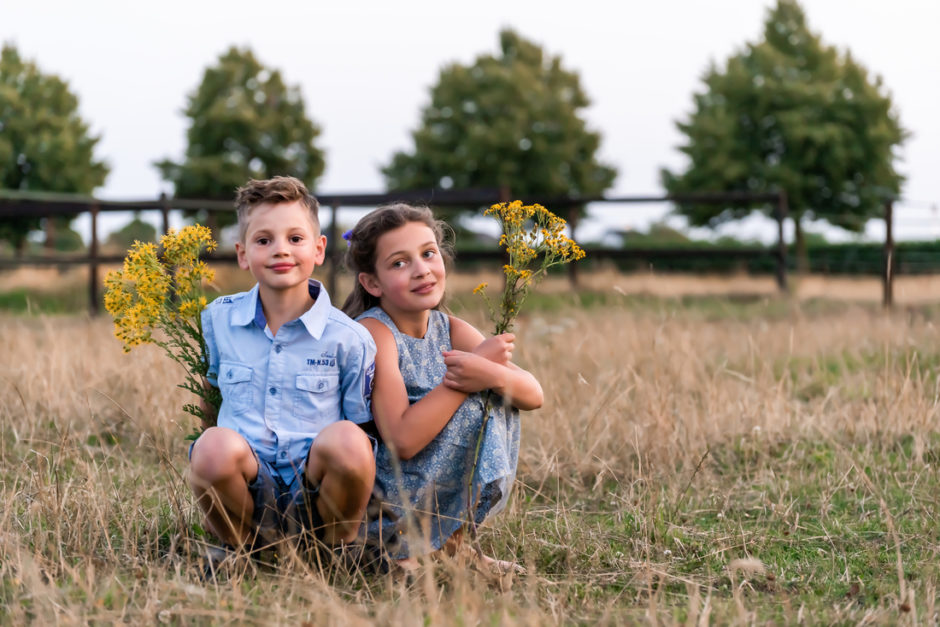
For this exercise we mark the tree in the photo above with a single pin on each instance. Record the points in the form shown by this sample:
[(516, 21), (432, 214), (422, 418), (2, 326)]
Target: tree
[(134, 231), (44, 143), (244, 123), (506, 121), (791, 114)]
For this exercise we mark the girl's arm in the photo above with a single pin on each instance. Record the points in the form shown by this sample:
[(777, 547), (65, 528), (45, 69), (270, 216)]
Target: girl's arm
[(477, 364), (407, 428)]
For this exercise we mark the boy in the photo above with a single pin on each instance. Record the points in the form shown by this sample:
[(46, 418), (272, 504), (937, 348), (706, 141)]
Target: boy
[(291, 368)]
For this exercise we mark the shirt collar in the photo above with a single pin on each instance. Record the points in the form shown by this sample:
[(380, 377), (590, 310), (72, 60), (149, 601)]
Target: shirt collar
[(314, 319)]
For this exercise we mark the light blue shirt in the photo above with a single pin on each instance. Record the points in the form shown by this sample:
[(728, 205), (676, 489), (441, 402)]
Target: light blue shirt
[(279, 391)]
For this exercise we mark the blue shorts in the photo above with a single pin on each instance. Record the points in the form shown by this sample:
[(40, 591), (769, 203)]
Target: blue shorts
[(281, 508)]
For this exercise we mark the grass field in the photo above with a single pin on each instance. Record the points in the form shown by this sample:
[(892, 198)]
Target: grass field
[(697, 460)]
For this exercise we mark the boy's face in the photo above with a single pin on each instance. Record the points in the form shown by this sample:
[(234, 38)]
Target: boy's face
[(282, 245)]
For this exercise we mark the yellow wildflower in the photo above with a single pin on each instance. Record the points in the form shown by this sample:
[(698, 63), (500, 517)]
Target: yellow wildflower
[(148, 294)]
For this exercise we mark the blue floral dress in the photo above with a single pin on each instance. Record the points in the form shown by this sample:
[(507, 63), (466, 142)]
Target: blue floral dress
[(423, 500)]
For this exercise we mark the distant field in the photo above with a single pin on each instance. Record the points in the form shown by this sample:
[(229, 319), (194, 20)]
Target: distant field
[(53, 291)]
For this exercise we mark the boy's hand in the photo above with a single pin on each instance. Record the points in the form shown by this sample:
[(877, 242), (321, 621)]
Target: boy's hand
[(470, 372), (208, 411), (497, 348)]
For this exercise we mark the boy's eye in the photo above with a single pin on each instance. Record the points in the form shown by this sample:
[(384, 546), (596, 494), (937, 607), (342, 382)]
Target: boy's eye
[(262, 240), (296, 239)]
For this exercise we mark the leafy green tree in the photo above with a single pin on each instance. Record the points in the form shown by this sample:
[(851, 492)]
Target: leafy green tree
[(511, 121), (134, 231), (790, 113), (244, 123), (44, 143)]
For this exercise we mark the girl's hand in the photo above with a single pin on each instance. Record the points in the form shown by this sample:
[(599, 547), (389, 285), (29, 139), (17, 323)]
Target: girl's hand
[(471, 372), (497, 348)]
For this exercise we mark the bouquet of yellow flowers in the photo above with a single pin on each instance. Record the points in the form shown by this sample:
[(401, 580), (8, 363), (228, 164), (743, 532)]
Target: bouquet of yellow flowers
[(160, 301), (535, 240)]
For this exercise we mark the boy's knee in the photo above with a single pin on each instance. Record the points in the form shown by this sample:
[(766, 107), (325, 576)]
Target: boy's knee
[(217, 454), (347, 450)]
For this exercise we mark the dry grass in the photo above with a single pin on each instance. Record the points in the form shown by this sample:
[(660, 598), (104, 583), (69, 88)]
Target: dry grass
[(686, 461)]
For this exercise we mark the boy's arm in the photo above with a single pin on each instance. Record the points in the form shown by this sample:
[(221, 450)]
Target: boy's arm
[(356, 380), (477, 364), (405, 427), (212, 372)]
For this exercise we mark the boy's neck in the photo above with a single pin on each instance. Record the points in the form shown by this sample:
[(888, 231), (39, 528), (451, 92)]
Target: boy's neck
[(282, 306)]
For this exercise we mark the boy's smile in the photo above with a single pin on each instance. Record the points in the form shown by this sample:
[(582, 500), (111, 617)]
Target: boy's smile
[(282, 246)]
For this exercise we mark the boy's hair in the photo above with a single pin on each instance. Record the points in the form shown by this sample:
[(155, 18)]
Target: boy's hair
[(274, 190), (363, 240)]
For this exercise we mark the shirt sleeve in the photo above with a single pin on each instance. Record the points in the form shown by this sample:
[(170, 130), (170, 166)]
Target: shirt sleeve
[(357, 379), (208, 334)]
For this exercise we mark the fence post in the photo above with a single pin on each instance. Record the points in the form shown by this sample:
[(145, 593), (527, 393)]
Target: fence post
[(333, 251), (781, 214), (573, 215), (888, 277), (93, 263), (165, 212)]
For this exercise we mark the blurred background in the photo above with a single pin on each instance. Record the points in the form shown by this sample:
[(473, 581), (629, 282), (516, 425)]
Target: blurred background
[(819, 117)]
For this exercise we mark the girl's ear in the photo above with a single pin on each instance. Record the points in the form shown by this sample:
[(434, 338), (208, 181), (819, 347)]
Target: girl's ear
[(370, 284)]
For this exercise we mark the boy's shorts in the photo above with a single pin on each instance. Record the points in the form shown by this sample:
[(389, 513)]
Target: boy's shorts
[(280, 508), (283, 509)]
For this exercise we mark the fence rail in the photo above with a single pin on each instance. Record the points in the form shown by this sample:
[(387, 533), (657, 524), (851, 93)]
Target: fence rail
[(20, 204)]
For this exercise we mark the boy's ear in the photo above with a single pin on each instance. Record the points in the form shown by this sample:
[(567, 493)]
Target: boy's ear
[(370, 284), (320, 254), (240, 253)]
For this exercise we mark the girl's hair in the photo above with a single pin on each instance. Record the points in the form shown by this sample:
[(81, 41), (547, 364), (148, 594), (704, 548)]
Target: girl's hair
[(363, 240)]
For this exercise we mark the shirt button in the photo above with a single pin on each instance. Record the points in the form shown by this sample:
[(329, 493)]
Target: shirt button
[(273, 391), (283, 453), (278, 348)]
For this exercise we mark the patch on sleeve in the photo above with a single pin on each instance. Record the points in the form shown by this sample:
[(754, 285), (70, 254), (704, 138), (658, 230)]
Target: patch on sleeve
[(368, 382)]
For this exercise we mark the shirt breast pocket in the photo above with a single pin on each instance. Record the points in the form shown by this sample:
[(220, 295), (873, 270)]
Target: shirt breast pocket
[(316, 398), (235, 385)]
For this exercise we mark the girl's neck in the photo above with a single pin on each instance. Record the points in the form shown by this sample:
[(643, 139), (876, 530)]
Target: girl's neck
[(414, 324), (282, 306)]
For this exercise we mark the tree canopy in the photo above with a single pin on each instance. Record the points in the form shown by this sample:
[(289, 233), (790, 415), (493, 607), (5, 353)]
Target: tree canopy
[(244, 123), (512, 121), (790, 113), (45, 145)]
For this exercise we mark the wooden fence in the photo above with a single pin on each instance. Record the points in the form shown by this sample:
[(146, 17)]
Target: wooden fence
[(16, 204)]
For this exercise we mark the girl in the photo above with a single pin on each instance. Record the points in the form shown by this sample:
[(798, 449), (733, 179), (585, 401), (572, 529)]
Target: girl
[(430, 368)]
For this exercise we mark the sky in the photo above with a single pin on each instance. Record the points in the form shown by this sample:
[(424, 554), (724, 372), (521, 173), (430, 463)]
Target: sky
[(365, 68)]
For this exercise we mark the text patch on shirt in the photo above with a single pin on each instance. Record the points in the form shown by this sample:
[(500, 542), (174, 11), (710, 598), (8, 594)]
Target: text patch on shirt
[(323, 360)]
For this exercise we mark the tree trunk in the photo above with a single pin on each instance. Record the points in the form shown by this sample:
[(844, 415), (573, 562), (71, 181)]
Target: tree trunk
[(802, 256)]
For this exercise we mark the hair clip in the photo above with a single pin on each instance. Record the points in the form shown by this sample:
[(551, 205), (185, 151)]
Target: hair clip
[(348, 237)]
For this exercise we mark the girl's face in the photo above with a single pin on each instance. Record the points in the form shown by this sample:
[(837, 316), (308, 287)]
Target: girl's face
[(409, 270)]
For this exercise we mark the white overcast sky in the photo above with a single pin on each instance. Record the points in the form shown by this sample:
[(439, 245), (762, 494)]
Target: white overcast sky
[(365, 68)]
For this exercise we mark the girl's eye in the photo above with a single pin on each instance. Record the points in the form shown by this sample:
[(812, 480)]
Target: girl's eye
[(428, 254), (398, 264)]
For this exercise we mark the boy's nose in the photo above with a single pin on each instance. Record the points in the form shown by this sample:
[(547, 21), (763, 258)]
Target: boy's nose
[(280, 246)]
